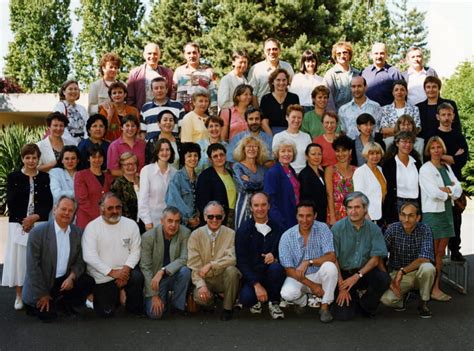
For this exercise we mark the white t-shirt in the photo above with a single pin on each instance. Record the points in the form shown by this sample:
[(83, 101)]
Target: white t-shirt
[(301, 140)]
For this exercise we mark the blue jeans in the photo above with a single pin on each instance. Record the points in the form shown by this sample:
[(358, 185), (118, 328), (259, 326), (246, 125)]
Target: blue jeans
[(178, 283), (272, 280)]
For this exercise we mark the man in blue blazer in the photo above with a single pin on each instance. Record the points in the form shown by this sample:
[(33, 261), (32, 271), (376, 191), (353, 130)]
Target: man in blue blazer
[(54, 265)]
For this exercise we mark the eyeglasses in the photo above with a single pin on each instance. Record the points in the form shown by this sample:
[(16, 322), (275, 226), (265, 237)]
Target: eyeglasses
[(211, 217), (129, 164)]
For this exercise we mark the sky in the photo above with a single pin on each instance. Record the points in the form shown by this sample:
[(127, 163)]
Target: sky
[(450, 27)]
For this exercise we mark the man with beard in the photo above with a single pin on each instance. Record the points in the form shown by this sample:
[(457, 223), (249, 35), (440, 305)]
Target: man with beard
[(253, 117), (111, 250)]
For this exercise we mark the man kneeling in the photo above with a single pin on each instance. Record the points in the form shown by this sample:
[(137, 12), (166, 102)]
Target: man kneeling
[(307, 253), (163, 263), (410, 244)]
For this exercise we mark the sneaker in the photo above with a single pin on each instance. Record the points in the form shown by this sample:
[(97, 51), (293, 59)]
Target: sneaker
[(275, 311), (89, 304), (314, 301), (325, 316), (18, 303), (424, 311), (284, 303), (403, 307), (256, 309)]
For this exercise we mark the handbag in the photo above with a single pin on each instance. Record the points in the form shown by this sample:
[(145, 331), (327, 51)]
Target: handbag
[(461, 202)]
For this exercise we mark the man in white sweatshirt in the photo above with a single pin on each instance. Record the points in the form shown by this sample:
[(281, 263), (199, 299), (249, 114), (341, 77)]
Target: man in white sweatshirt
[(111, 250)]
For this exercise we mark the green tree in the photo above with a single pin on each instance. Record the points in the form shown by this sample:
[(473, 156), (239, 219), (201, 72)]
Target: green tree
[(38, 57), (460, 88), (107, 25), (172, 23), (408, 30)]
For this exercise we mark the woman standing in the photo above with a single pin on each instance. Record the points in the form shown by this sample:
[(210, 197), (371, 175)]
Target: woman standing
[(109, 66), (182, 187), (166, 122), (89, 186), (311, 178), (129, 141), (154, 180), (282, 185), (294, 116), (365, 125), (127, 187), (96, 129), (235, 115), (214, 128), (116, 109), (29, 201), (338, 178), (77, 114), (439, 187), (370, 180), (234, 78), (400, 169), (274, 104), (52, 145), (389, 114), (215, 183), (326, 140), (406, 123), (306, 80), (249, 155), (62, 176)]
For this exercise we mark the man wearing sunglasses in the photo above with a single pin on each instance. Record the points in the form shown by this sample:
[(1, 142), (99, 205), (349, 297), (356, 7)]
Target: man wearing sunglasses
[(211, 258)]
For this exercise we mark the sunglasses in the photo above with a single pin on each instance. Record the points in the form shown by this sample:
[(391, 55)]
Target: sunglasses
[(218, 217)]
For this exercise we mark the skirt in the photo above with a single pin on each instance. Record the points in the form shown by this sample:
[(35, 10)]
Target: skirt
[(14, 267)]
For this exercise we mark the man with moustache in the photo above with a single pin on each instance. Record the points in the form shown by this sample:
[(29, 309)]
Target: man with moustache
[(111, 250), (139, 80)]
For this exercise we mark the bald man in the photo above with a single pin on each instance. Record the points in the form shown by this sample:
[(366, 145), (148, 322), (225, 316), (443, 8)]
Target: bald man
[(380, 76), (139, 79)]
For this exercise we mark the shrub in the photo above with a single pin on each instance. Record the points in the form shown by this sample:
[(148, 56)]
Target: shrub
[(12, 139)]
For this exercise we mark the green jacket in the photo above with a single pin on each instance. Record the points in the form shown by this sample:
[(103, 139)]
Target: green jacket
[(152, 254)]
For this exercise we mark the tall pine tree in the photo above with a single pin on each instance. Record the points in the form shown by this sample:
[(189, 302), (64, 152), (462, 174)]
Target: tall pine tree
[(172, 23), (38, 57), (107, 25)]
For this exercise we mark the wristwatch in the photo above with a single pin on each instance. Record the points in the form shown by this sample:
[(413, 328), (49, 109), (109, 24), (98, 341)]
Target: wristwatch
[(311, 262), (164, 271), (360, 274), (403, 271)]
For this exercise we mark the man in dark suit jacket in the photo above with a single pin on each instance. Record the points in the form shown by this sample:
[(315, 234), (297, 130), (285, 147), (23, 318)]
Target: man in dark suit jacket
[(54, 265)]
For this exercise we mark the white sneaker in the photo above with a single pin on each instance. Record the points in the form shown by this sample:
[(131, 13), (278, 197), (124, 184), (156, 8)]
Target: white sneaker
[(89, 304), (314, 301), (275, 311), (257, 308), (285, 304), (18, 303)]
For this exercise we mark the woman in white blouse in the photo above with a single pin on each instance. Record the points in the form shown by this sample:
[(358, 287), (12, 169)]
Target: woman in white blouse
[(154, 180), (303, 83), (52, 145), (62, 176), (389, 114), (370, 180), (75, 113)]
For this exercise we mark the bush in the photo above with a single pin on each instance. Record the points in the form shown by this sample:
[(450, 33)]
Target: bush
[(12, 139)]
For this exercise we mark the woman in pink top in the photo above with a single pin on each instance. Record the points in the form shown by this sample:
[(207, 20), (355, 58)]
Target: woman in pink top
[(330, 121), (242, 99)]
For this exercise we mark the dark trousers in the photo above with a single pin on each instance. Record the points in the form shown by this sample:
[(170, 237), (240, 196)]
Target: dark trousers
[(455, 242), (272, 279), (64, 300), (375, 283), (107, 295)]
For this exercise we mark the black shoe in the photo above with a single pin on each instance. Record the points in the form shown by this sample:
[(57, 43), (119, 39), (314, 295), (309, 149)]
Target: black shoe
[(404, 303), (423, 310), (457, 257), (226, 315)]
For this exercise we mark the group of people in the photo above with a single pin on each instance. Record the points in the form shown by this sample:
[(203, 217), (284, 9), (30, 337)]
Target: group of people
[(274, 187)]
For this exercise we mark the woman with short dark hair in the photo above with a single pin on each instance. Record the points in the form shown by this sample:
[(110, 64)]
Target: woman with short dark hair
[(234, 116), (62, 176), (96, 126)]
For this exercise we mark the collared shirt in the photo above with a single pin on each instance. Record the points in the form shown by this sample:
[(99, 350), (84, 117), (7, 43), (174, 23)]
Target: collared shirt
[(349, 112), (227, 87), (259, 73), (416, 92), (389, 115), (338, 81), (293, 251), (405, 248), (63, 249), (118, 147), (407, 179), (355, 247), (149, 116), (213, 237), (380, 82)]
